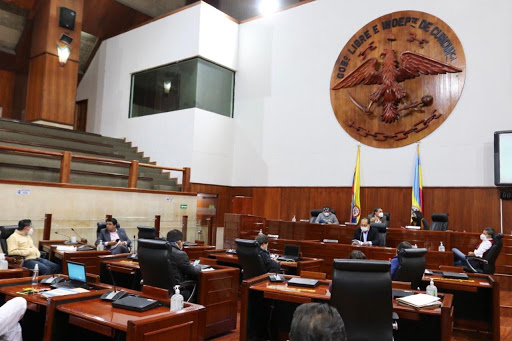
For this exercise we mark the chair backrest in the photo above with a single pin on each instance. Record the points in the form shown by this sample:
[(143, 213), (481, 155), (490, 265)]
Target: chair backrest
[(102, 225), (381, 227), (412, 266), (387, 215), (5, 232), (155, 265), (492, 254), (316, 212), (439, 222), (146, 232), (361, 291), (248, 252)]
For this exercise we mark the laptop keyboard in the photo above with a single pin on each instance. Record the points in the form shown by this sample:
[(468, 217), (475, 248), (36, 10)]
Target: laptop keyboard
[(71, 285)]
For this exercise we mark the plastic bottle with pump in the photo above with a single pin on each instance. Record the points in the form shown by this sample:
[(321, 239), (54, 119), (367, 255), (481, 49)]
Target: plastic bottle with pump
[(35, 280), (441, 247), (176, 299), (3, 262), (432, 289), (294, 219)]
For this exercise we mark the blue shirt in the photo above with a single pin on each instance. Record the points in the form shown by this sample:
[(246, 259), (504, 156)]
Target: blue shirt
[(395, 263)]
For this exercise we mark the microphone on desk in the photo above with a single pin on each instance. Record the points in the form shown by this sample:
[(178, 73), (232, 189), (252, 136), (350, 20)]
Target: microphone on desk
[(83, 240), (62, 234), (113, 295)]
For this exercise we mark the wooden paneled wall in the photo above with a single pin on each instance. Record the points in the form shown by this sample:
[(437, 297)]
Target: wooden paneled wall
[(6, 92), (470, 208)]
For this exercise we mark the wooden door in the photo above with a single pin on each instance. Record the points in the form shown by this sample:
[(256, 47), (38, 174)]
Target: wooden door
[(242, 205), (80, 115)]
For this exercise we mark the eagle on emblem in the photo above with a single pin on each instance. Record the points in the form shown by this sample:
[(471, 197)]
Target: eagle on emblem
[(389, 77)]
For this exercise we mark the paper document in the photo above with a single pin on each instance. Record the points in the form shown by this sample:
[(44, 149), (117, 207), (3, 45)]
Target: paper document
[(65, 248), (63, 292), (419, 300)]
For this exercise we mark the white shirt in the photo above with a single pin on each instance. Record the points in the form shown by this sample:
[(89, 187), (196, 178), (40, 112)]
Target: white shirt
[(10, 313), (113, 237), (482, 248)]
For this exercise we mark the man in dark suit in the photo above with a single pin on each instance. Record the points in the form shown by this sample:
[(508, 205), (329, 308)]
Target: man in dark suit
[(114, 238), (180, 263), (270, 264), (365, 234), (379, 216)]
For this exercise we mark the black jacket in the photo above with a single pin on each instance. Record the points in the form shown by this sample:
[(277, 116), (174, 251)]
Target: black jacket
[(270, 264), (373, 236), (180, 265)]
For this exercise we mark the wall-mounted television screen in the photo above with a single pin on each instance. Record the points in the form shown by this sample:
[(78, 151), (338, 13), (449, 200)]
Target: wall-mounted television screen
[(503, 158)]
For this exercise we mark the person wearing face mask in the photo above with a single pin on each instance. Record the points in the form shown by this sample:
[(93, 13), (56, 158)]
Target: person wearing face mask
[(379, 216), (326, 217), (365, 234), (20, 243), (182, 269), (486, 241)]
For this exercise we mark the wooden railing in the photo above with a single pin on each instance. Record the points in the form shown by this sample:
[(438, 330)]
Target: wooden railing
[(66, 158)]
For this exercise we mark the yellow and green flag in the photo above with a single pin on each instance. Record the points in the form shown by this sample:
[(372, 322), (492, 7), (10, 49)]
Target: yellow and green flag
[(355, 208)]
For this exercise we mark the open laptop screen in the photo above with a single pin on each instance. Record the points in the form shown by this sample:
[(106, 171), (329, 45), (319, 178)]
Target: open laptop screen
[(76, 271), (291, 250)]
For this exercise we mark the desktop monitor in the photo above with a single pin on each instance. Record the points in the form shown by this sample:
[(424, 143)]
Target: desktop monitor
[(503, 158), (76, 272), (146, 232)]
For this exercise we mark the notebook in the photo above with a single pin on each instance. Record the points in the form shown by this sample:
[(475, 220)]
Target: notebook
[(419, 301), (135, 303), (291, 253)]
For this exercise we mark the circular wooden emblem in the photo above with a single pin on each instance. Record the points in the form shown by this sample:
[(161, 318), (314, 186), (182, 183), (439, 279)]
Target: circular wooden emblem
[(397, 79)]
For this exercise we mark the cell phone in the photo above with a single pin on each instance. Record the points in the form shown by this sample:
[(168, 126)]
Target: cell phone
[(117, 240), (196, 262)]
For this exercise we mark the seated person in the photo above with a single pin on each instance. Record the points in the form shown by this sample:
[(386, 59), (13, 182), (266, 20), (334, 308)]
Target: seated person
[(317, 321), (395, 263), (326, 217), (366, 234), (10, 314), (182, 269), (379, 216), (487, 239), (114, 239), (417, 219), (20, 243), (356, 254), (270, 264)]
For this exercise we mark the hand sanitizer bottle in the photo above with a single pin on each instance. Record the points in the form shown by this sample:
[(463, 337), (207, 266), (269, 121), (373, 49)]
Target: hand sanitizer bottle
[(441, 247), (294, 219), (432, 289), (3, 262), (35, 275), (176, 299)]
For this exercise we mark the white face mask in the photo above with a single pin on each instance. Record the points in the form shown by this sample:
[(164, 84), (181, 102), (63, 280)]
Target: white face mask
[(326, 213), (381, 214), (365, 228), (483, 237), (31, 231)]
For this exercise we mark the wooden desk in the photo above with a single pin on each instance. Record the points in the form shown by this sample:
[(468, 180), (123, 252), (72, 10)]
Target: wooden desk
[(476, 301), (17, 272), (126, 272), (292, 268), (37, 305), (89, 258), (195, 252), (259, 291), (217, 292)]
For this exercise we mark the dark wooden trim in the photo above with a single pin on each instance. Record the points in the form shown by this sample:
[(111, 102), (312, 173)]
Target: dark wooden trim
[(157, 224), (65, 168), (47, 226), (100, 188), (57, 137)]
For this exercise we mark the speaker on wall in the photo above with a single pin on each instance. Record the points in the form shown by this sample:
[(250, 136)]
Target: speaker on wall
[(67, 18)]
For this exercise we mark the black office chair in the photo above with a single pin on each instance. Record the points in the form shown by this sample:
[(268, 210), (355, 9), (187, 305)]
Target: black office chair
[(156, 268), (248, 252), (382, 232), (315, 213), (412, 266), (5, 232), (361, 291), (102, 225), (388, 216), (488, 261), (146, 232), (439, 222)]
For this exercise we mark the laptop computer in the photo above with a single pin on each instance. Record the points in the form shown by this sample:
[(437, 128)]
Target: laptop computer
[(77, 278), (303, 282), (291, 253), (136, 303)]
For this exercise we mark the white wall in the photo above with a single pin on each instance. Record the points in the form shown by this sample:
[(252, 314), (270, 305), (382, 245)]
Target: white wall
[(185, 138), (285, 123)]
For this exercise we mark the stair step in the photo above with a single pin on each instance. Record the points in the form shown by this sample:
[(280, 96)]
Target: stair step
[(167, 188)]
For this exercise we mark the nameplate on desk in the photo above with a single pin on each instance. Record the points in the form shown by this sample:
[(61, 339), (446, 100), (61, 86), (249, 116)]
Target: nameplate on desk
[(330, 240)]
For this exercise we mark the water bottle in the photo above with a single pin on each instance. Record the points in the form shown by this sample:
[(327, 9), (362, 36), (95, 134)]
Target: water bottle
[(432, 289), (35, 280), (176, 299), (100, 247), (294, 219), (441, 247), (3, 262)]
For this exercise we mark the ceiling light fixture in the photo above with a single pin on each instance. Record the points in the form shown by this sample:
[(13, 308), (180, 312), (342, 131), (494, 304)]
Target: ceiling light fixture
[(268, 7), (63, 51)]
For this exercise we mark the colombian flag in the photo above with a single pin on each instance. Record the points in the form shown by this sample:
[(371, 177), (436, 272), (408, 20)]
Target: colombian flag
[(417, 185), (355, 209)]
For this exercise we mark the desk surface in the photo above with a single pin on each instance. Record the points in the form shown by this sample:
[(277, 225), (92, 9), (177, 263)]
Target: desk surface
[(232, 258)]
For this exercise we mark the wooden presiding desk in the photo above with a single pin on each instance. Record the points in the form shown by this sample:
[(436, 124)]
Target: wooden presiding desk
[(217, 291), (476, 301), (258, 294), (292, 268)]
